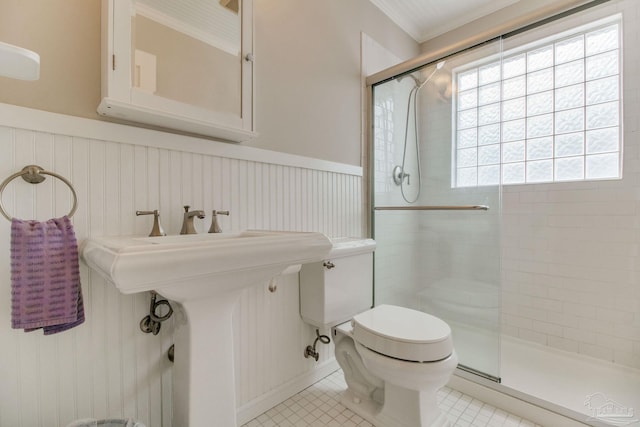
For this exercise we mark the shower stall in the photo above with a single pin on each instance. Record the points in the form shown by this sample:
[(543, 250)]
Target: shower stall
[(478, 155)]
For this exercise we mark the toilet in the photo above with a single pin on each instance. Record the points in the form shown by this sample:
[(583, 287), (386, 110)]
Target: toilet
[(394, 359)]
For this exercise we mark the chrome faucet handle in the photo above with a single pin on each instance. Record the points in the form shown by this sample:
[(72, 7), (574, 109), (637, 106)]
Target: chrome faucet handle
[(215, 227), (187, 223), (157, 229)]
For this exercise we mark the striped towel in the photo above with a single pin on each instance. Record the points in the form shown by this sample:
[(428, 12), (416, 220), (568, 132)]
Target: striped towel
[(45, 279), (91, 422)]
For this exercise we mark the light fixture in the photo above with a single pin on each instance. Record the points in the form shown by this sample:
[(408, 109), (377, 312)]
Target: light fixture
[(19, 63)]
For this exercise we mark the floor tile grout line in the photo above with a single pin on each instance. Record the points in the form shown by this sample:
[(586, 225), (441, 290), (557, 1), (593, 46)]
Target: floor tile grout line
[(311, 407)]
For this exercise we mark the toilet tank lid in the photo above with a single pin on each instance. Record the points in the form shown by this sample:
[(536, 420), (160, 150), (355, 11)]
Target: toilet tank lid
[(344, 246), (403, 333)]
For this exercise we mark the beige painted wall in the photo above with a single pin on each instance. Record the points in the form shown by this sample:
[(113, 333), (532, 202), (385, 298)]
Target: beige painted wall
[(308, 86), (66, 34)]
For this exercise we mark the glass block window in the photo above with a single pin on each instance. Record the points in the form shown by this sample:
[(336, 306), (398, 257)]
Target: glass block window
[(545, 113)]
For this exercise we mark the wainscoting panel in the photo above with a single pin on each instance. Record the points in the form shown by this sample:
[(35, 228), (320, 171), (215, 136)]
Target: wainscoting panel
[(107, 367)]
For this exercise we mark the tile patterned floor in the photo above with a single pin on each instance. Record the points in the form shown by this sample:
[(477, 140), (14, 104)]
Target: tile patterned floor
[(319, 406)]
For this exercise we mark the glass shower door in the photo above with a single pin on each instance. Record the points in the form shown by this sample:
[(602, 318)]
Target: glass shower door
[(437, 225)]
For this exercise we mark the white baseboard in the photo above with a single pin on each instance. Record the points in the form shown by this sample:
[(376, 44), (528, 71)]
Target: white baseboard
[(258, 406)]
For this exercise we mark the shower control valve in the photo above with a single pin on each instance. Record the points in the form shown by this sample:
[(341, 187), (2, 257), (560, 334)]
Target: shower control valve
[(399, 175)]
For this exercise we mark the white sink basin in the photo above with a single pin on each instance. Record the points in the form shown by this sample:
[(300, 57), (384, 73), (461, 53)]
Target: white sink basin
[(195, 265), (206, 274)]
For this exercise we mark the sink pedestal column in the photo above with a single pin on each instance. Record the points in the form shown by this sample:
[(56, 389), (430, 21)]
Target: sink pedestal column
[(204, 389)]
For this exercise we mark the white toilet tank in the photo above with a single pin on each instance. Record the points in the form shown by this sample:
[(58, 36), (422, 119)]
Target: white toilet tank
[(333, 291)]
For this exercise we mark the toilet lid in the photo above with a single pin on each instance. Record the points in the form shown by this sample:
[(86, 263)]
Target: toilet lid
[(403, 333)]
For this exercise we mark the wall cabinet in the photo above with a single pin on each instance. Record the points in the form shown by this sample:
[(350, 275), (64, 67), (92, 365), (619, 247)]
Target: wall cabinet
[(186, 66)]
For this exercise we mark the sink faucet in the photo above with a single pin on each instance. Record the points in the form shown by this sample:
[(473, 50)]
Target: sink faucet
[(215, 227), (187, 223), (157, 229)]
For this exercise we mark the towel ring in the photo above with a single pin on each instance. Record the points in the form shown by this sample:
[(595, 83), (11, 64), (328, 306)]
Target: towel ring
[(33, 175)]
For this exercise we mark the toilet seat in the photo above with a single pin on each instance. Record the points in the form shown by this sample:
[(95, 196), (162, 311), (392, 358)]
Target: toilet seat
[(403, 333)]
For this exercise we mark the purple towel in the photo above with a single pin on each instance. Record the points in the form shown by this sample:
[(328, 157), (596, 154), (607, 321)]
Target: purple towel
[(45, 279)]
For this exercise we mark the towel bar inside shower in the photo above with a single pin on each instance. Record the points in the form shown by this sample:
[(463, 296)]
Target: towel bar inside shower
[(433, 208)]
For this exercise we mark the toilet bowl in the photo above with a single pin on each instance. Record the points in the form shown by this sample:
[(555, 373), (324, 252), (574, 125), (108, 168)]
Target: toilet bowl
[(394, 359)]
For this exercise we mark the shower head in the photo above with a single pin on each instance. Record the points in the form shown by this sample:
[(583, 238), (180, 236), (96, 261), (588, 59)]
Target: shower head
[(417, 81), (439, 65)]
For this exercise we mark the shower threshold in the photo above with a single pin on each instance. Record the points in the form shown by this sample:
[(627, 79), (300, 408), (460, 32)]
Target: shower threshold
[(580, 389)]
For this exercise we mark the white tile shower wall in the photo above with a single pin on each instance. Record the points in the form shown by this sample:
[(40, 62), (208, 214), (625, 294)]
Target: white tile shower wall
[(571, 251), (107, 367), (570, 266)]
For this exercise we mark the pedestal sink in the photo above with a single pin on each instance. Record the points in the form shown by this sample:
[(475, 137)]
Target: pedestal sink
[(206, 274)]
